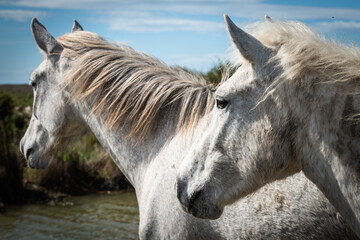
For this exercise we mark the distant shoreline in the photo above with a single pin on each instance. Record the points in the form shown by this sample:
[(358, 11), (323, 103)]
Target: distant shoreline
[(16, 88)]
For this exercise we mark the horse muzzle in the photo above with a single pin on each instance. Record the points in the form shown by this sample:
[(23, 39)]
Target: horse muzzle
[(197, 202), (31, 157)]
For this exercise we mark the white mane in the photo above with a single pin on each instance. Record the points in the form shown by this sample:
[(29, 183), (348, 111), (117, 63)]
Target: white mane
[(300, 51)]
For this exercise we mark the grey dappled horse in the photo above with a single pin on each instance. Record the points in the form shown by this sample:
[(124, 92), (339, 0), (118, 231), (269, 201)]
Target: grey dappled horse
[(142, 112), (292, 105)]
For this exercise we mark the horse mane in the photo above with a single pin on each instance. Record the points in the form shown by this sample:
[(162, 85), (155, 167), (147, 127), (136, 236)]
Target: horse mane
[(132, 88), (299, 51)]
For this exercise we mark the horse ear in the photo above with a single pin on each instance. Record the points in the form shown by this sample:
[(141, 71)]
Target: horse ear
[(249, 47), (268, 18), (76, 27), (43, 38)]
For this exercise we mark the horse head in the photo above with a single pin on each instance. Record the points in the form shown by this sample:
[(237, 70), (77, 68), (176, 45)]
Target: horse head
[(245, 145), (292, 105), (53, 121)]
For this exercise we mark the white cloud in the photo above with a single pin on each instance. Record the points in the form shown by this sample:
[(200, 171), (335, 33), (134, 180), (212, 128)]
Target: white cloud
[(116, 4), (254, 9), (168, 15), (336, 25), (161, 24), (20, 15), (297, 12)]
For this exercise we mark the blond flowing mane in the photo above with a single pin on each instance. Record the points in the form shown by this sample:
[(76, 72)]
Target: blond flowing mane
[(300, 52), (128, 87)]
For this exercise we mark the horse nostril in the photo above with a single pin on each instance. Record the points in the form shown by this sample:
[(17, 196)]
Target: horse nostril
[(187, 201), (192, 200), (22, 148), (28, 153), (180, 189)]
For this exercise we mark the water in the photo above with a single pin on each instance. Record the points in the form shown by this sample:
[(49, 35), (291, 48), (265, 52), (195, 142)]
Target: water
[(114, 216)]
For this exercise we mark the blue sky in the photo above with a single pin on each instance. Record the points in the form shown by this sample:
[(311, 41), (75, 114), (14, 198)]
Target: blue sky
[(178, 32)]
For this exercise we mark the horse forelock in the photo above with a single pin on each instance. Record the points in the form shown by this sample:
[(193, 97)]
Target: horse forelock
[(300, 51), (128, 87)]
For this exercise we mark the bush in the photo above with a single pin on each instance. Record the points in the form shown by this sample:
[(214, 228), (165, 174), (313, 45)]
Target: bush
[(11, 188), (12, 127), (84, 168), (219, 72)]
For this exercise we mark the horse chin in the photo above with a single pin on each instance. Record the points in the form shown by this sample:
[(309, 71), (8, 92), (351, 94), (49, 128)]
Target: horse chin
[(206, 211), (38, 163)]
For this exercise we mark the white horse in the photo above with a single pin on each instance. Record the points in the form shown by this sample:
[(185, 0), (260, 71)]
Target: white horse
[(292, 105), (141, 110)]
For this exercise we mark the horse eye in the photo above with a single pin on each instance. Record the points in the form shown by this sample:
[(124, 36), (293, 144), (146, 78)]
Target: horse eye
[(221, 104), (33, 84)]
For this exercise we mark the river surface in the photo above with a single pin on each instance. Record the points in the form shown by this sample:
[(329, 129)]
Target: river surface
[(101, 216)]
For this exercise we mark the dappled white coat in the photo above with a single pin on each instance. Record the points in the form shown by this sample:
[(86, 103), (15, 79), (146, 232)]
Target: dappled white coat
[(292, 105)]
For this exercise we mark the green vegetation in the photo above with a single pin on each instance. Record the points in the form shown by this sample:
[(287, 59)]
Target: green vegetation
[(83, 168), (12, 127), (219, 72), (216, 74)]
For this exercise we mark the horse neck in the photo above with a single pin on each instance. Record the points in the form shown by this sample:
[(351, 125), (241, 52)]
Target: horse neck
[(328, 148), (132, 157)]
